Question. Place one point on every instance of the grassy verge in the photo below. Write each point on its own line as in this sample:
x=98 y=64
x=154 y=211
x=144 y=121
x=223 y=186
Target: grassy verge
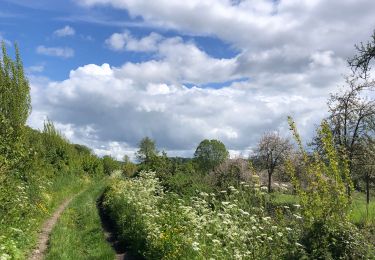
x=358 y=214
x=61 y=188
x=19 y=230
x=78 y=233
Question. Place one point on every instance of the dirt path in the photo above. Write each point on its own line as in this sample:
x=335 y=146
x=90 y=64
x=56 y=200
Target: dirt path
x=38 y=252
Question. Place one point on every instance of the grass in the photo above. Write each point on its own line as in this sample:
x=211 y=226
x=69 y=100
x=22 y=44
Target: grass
x=78 y=233
x=62 y=187
x=65 y=186
x=358 y=215
x=279 y=198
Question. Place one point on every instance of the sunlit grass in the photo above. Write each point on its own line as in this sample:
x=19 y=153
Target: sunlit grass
x=62 y=187
x=359 y=214
x=78 y=234
x=279 y=198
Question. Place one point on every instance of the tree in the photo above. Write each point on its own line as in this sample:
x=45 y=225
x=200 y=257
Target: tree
x=352 y=113
x=231 y=173
x=15 y=103
x=351 y=118
x=147 y=150
x=366 y=166
x=365 y=54
x=128 y=167
x=209 y=154
x=325 y=206
x=14 y=109
x=110 y=164
x=272 y=150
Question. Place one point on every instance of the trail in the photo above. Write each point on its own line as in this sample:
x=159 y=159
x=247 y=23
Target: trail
x=109 y=230
x=38 y=252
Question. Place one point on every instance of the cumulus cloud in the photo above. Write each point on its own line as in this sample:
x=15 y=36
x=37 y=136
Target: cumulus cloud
x=292 y=54
x=257 y=24
x=65 y=31
x=63 y=52
x=104 y=106
x=177 y=62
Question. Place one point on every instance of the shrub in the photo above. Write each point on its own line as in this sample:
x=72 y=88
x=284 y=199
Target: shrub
x=162 y=225
x=324 y=202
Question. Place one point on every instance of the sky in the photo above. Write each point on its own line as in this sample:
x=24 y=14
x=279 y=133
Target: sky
x=110 y=72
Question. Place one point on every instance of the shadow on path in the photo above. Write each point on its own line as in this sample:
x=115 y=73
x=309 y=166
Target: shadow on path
x=121 y=249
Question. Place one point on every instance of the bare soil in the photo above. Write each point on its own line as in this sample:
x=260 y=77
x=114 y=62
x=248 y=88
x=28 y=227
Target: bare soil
x=41 y=247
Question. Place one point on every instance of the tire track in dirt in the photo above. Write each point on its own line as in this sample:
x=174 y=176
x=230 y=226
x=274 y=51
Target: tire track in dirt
x=42 y=245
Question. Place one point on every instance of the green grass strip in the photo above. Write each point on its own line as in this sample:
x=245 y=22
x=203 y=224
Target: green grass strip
x=78 y=233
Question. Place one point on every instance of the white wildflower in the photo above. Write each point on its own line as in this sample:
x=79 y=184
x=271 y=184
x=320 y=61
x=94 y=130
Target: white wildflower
x=195 y=246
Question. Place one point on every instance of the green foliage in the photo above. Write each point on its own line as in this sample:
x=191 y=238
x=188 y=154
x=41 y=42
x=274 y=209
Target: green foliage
x=147 y=150
x=14 y=91
x=323 y=197
x=92 y=165
x=128 y=168
x=324 y=203
x=209 y=154
x=37 y=169
x=110 y=164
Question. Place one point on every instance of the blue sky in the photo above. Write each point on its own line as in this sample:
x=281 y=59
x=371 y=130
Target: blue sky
x=109 y=72
x=33 y=23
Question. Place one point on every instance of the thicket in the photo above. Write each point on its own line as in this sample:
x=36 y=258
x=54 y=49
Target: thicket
x=37 y=168
x=231 y=224
x=183 y=212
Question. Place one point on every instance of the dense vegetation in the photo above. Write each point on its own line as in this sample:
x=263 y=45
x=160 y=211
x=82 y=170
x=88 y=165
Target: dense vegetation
x=284 y=202
x=38 y=169
x=189 y=214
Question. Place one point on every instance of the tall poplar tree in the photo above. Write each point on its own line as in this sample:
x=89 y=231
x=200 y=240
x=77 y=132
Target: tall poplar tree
x=15 y=103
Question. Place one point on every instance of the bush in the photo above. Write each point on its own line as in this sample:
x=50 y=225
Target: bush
x=161 y=225
x=325 y=203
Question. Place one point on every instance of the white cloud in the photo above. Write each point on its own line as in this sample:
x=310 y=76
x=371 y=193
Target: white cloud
x=178 y=61
x=65 y=31
x=119 y=109
x=63 y=52
x=125 y=41
x=35 y=68
x=293 y=54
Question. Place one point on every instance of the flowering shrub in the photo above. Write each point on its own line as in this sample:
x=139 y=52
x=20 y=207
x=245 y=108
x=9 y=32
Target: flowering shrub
x=162 y=225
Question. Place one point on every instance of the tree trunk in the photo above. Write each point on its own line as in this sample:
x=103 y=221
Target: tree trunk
x=269 y=181
x=367 y=193
x=350 y=176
